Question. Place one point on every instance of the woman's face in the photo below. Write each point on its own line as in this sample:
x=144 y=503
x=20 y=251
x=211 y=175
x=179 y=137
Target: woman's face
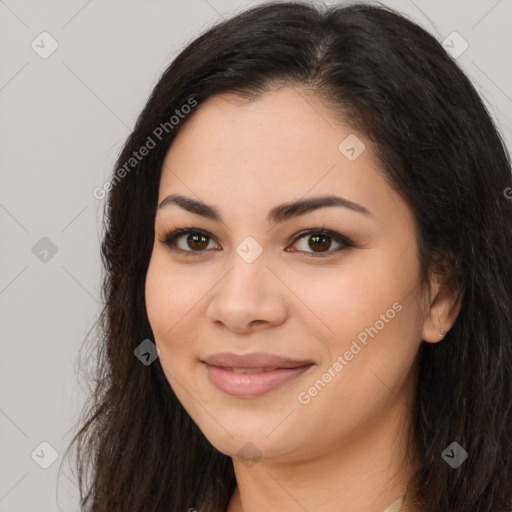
x=346 y=319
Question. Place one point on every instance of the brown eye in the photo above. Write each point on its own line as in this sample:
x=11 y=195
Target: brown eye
x=319 y=241
x=194 y=242
x=197 y=241
x=188 y=240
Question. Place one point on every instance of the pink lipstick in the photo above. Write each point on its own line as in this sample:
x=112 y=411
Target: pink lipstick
x=252 y=375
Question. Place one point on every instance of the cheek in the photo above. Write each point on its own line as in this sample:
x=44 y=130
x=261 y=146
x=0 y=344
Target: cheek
x=343 y=300
x=166 y=308
x=370 y=300
x=167 y=301
x=173 y=305
x=156 y=296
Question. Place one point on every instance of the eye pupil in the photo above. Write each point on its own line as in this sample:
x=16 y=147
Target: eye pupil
x=317 y=245
x=194 y=239
x=197 y=241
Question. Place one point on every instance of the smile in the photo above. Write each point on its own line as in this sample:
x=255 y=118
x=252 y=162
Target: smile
x=252 y=382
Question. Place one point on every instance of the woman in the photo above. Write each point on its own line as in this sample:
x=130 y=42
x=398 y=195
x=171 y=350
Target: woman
x=308 y=279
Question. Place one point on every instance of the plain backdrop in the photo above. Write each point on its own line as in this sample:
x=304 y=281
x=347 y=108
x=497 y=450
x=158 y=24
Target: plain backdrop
x=63 y=119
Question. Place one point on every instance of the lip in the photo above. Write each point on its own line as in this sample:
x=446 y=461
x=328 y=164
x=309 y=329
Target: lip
x=275 y=371
x=253 y=360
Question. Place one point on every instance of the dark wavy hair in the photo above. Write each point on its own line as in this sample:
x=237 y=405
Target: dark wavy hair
x=137 y=449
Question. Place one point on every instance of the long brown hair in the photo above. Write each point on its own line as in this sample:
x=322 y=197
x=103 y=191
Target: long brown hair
x=137 y=449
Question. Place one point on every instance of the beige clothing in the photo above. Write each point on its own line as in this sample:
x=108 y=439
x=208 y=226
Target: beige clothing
x=395 y=506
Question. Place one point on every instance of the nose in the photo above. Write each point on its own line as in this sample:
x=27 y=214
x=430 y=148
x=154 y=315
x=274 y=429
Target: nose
x=249 y=297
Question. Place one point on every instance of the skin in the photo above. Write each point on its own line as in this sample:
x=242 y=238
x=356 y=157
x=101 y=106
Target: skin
x=344 y=449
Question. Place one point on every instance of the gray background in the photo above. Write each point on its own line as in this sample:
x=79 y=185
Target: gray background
x=63 y=120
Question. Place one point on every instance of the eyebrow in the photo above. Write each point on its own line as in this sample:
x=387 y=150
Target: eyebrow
x=276 y=215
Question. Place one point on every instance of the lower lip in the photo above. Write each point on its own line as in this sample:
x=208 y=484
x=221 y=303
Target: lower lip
x=248 y=385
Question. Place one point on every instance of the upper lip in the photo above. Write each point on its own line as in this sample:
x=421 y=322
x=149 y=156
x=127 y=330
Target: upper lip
x=254 y=360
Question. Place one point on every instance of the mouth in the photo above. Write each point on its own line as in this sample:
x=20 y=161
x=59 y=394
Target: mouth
x=249 y=370
x=252 y=375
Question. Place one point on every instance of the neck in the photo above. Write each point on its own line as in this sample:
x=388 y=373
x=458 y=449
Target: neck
x=365 y=473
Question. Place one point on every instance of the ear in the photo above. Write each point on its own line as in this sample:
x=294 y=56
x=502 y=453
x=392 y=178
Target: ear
x=444 y=307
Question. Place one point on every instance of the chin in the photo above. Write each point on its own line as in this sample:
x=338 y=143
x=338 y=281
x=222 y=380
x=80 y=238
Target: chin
x=243 y=434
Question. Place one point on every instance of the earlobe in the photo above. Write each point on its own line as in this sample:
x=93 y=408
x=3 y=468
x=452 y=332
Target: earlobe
x=429 y=334
x=444 y=309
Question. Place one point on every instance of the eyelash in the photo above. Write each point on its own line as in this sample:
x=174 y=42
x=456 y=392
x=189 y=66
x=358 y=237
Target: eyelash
x=171 y=237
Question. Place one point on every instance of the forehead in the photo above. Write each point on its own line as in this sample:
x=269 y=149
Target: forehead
x=281 y=146
x=287 y=118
